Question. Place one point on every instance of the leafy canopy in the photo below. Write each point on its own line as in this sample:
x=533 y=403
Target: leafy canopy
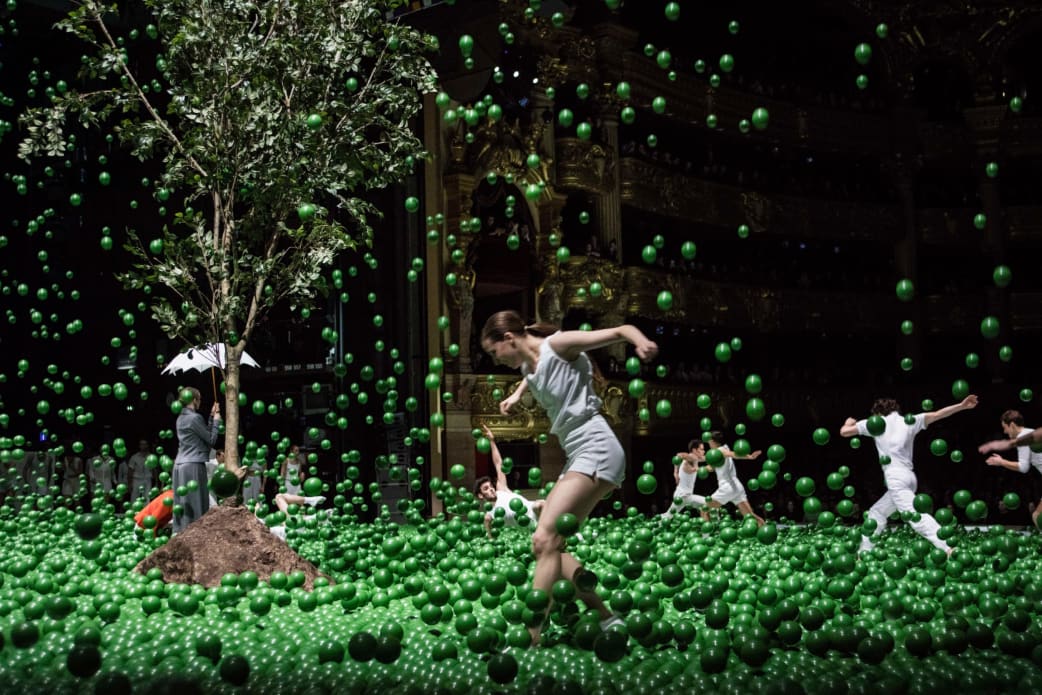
x=271 y=119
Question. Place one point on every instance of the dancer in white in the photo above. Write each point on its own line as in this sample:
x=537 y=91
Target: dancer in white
x=729 y=489
x=1013 y=426
x=559 y=375
x=684 y=475
x=894 y=444
x=501 y=495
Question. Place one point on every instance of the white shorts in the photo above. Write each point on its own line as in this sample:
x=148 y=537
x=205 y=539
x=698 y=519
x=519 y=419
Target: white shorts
x=594 y=450
x=729 y=494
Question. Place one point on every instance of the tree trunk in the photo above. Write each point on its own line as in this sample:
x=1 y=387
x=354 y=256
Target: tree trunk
x=231 y=405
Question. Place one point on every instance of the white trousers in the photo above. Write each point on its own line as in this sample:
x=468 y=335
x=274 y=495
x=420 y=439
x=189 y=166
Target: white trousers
x=686 y=500
x=899 y=497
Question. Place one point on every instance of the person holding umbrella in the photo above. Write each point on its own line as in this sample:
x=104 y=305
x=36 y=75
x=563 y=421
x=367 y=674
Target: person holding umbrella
x=195 y=438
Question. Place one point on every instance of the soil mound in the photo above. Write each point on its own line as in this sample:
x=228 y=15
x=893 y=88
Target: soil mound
x=225 y=539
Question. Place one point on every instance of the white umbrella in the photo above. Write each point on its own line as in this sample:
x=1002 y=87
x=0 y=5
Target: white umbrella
x=209 y=356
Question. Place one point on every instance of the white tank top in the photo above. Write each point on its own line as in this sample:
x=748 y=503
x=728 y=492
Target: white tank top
x=564 y=389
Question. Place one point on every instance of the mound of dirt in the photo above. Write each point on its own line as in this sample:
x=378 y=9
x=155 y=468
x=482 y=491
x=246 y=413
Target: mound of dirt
x=225 y=539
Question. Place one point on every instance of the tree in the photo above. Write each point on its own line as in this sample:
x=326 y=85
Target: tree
x=271 y=120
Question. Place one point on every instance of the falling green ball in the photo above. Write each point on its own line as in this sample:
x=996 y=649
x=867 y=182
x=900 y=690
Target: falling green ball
x=664 y=300
x=649 y=254
x=882 y=30
x=663 y=408
x=722 y=352
x=1026 y=395
x=755 y=409
x=760 y=118
x=905 y=290
x=989 y=327
x=862 y=53
x=821 y=436
x=647 y=484
x=980 y=220
x=1002 y=276
x=991 y=169
x=688 y=250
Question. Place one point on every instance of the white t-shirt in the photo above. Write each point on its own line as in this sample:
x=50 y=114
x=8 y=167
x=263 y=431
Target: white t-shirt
x=897 y=440
x=726 y=474
x=1026 y=458
x=686 y=484
x=503 y=499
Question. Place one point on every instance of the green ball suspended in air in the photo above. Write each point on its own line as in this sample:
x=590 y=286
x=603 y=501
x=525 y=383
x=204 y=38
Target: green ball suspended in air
x=863 y=53
x=1011 y=500
x=905 y=290
x=688 y=250
x=1002 y=276
x=989 y=327
x=663 y=408
x=672 y=11
x=760 y=118
x=876 y=425
x=755 y=409
x=722 y=352
x=980 y=220
x=805 y=486
x=647 y=484
x=664 y=300
x=821 y=436
x=938 y=447
x=412 y=203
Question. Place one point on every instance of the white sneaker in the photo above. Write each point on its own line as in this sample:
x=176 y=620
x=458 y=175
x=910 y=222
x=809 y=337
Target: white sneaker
x=314 y=501
x=612 y=622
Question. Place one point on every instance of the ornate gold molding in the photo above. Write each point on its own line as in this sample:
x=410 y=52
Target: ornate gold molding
x=585 y=165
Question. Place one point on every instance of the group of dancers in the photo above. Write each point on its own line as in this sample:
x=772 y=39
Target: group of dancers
x=559 y=375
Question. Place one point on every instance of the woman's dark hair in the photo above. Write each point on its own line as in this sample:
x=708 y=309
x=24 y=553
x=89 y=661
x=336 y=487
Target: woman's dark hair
x=885 y=406
x=694 y=444
x=717 y=436
x=503 y=322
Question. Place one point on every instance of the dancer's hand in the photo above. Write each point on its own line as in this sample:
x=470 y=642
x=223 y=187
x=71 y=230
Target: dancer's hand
x=646 y=349
x=994 y=460
x=509 y=402
x=995 y=445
